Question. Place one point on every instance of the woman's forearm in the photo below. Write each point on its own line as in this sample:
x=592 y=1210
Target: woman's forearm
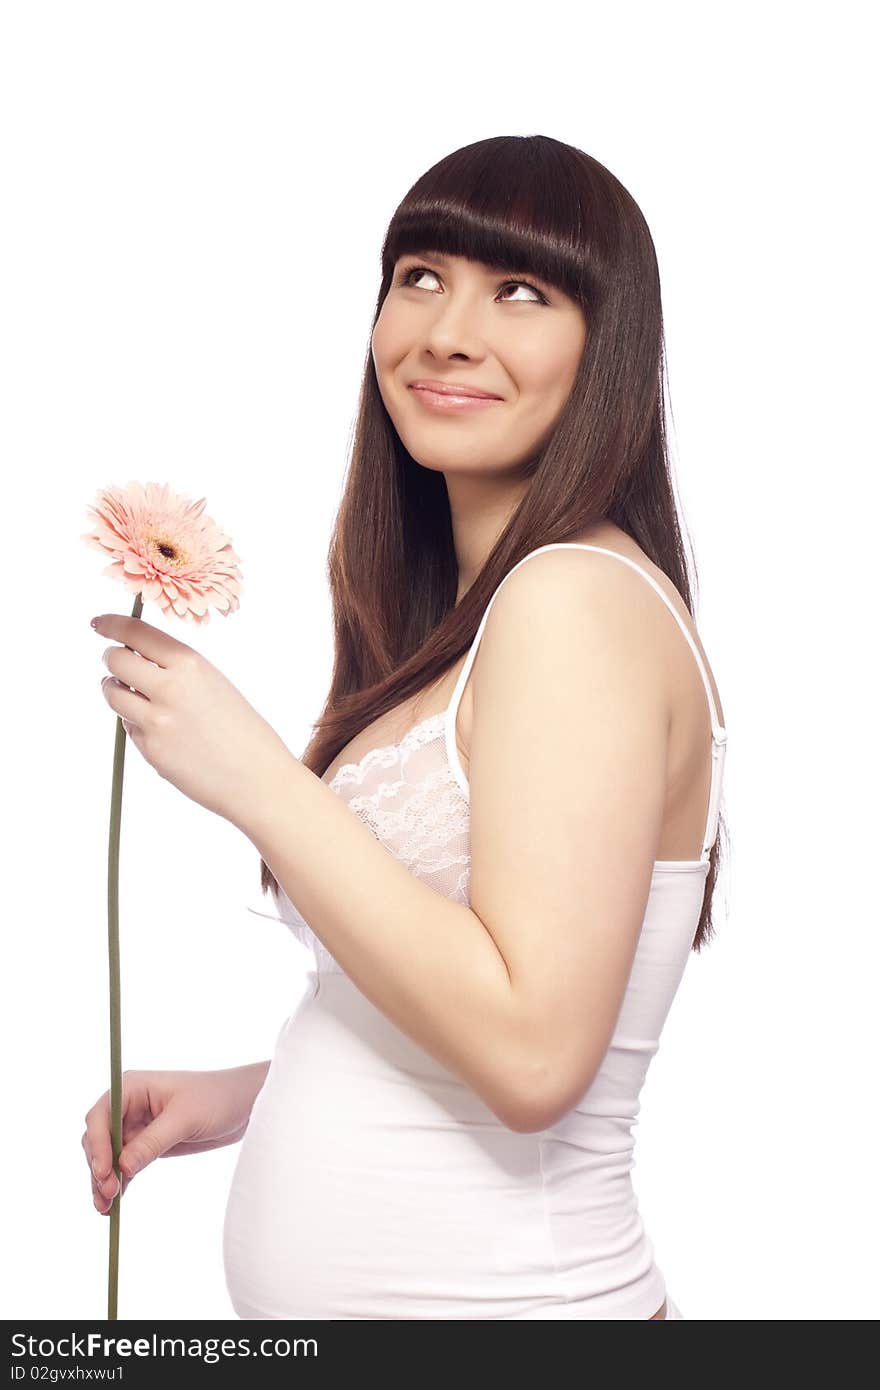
x=428 y=963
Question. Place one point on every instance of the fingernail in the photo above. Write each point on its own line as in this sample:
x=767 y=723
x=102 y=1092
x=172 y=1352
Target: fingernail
x=94 y=622
x=110 y=1186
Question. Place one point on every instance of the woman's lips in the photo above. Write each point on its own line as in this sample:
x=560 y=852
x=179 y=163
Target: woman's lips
x=440 y=402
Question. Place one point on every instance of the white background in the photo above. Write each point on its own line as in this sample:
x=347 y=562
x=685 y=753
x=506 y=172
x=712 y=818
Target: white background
x=194 y=197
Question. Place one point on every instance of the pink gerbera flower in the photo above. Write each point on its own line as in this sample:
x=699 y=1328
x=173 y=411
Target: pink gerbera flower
x=165 y=549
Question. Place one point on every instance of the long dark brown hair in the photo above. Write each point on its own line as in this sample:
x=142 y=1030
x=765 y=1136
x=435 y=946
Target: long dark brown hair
x=530 y=203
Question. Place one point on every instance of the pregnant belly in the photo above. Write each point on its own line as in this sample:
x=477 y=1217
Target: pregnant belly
x=371 y=1183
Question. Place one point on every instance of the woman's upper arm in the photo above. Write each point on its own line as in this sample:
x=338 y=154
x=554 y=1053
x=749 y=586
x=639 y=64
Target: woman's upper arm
x=567 y=773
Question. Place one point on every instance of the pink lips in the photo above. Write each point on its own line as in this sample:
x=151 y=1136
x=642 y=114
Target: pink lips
x=445 y=396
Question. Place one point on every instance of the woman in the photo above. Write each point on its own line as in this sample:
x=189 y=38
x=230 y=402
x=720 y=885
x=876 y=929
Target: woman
x=528 y=744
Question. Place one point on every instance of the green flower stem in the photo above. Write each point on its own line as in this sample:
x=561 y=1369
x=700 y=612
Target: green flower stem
x=115 y=1002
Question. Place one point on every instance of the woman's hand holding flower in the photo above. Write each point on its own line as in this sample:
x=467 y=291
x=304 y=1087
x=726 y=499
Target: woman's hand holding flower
x=188 y=721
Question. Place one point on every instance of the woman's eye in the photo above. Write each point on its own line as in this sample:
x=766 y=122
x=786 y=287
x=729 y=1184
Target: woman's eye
x=522 y=285
x=408 y=279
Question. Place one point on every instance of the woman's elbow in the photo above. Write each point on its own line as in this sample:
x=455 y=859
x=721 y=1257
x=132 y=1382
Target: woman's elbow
x=536 y=1103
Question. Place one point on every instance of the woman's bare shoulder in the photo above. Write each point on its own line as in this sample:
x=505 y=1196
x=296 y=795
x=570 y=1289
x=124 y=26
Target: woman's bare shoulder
x=609 y=536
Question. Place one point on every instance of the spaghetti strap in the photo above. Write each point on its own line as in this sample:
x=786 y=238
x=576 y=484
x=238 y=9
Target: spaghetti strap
x=719 y=733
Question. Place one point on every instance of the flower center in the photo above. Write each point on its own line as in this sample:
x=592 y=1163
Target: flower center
x=169 y=551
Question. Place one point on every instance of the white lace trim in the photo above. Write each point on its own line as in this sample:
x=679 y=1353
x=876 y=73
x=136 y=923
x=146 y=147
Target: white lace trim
x=389 y=754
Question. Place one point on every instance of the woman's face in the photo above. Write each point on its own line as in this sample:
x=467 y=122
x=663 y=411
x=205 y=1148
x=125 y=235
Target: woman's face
x=457 y=322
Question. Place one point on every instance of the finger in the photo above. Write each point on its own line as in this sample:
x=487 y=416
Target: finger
x=96 y=1140
x=98 y=1145
x=142 y=637
x=104 y=1187
x=133 y=669
x=129 y=704
x=104 y=1195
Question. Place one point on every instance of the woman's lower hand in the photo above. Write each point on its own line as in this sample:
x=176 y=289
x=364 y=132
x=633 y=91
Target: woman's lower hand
x=166 y=1114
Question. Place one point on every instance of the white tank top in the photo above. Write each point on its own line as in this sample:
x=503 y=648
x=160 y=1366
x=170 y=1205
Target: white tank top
x=551 y=1227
